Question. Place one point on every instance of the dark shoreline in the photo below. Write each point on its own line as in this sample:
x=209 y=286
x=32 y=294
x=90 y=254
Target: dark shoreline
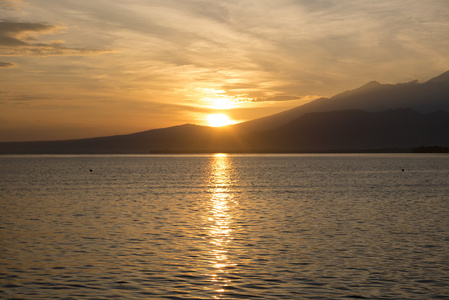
x=417 y=150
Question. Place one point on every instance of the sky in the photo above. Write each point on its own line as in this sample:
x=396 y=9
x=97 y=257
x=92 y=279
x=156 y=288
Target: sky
x=86 y=68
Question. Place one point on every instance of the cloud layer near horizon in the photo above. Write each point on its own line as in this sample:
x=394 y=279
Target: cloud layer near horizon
x=159 y=63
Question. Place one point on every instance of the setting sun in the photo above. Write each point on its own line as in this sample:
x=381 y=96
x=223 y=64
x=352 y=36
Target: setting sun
x=218 y=120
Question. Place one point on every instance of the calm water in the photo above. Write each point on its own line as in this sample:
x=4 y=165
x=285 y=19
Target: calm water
x=224 y=227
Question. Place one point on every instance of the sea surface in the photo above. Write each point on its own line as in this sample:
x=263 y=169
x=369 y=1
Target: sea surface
x=225 y=227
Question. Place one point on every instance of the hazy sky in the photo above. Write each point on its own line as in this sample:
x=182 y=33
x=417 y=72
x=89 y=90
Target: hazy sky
x=83 y=68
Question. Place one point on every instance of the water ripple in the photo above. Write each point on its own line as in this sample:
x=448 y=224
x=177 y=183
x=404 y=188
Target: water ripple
x=225 y=227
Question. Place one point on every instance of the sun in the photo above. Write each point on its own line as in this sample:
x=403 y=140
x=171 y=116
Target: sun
x=218 y=120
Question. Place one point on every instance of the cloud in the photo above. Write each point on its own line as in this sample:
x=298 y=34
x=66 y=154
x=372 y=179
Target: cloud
x=10 y=4
x=14 y=33
x=279 y=98
x=293 y=46
x=16 y=98
x=4 y=64
x=16 y=37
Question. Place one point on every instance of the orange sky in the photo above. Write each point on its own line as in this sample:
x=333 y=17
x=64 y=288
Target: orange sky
x=74 y=69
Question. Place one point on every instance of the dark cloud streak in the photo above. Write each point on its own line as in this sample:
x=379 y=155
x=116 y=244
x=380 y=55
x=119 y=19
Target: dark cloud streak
x=14 y=38
x=4 y=64
x=16 y=98
x=277 y=98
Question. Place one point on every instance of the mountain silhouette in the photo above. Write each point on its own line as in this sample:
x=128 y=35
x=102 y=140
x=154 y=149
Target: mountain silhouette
x=430 y=96
x=373 y=117
x=356 y=130
x=177 y=138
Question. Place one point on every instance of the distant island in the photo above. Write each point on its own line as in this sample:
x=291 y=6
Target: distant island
x=406 y=117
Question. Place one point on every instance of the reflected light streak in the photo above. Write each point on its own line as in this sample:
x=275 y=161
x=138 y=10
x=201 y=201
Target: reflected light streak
x=220 y=222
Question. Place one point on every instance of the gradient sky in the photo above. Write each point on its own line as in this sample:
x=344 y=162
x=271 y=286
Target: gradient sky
x=84 y=68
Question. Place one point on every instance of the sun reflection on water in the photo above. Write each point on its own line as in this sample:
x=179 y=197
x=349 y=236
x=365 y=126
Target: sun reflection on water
x=220 y=222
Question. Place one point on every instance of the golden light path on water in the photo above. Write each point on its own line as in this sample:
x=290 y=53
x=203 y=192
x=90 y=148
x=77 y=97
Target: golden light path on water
x=220 y=219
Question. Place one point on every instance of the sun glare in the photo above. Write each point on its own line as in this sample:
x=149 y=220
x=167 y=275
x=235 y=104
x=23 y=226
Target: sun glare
x=218 y=120
x=217 y=99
